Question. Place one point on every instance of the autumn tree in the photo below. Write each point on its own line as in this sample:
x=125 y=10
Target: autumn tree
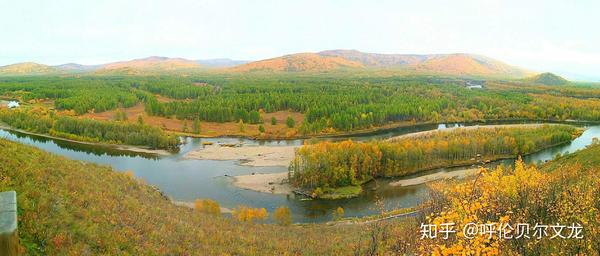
x=207 y=206
x=247 y=214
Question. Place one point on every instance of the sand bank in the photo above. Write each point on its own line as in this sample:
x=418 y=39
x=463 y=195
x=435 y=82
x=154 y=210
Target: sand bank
x=248 y=155
x=435 y=176
x=275 y=183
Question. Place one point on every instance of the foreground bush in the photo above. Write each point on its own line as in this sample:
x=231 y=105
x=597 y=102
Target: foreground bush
x=520 y=195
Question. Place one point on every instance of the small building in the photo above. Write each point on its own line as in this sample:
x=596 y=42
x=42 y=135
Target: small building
x=13 y=104
x=477 y=86
x=474 y=85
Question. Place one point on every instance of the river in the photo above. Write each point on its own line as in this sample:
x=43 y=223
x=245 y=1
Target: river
x=189 y=179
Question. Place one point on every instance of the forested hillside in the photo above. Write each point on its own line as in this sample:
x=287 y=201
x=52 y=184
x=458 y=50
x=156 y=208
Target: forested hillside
x=329 y=165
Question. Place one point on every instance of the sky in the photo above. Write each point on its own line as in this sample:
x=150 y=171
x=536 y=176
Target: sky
x=552 y=35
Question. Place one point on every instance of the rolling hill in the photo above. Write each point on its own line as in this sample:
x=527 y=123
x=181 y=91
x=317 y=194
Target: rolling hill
x=325 y=61
x=300 y=62
x=547 y=79
x=376 y=59
x=450 y=64
x=26 y=68
x=150 y=64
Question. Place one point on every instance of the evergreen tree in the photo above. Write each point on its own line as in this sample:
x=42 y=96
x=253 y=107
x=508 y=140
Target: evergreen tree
x=290 y=122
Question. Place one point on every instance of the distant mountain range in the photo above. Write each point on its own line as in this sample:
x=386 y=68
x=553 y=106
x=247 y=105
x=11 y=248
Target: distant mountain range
x=453 y=64
x=300 y=62
x=325 y=61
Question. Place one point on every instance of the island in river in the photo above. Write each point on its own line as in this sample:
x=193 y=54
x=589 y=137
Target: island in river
x=282 y=156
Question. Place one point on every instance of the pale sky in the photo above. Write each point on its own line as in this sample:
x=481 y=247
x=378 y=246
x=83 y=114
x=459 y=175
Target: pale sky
x=551 y=35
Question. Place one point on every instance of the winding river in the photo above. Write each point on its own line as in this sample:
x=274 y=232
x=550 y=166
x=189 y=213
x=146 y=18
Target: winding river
x=189 y=179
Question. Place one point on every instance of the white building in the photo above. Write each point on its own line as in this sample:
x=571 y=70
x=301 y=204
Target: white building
x=13 y=104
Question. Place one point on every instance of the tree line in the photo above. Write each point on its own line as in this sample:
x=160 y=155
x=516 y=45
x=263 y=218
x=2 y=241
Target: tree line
x=90 y=130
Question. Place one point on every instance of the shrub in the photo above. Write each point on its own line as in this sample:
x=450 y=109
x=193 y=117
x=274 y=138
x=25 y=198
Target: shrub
x=207 y=206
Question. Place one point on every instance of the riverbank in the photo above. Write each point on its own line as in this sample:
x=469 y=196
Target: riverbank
x=130 y=148
x=247 y=155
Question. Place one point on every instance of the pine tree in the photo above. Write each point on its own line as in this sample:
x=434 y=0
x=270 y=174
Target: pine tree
x=290 y=122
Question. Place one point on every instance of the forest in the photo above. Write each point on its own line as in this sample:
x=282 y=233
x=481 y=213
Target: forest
x=89 y=130
x=329 y=103
x=325 y=165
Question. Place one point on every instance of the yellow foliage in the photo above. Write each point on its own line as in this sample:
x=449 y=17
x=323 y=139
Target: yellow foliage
x=247 y=214
x=339 y=213
x=207 y=206
x=522 y=194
